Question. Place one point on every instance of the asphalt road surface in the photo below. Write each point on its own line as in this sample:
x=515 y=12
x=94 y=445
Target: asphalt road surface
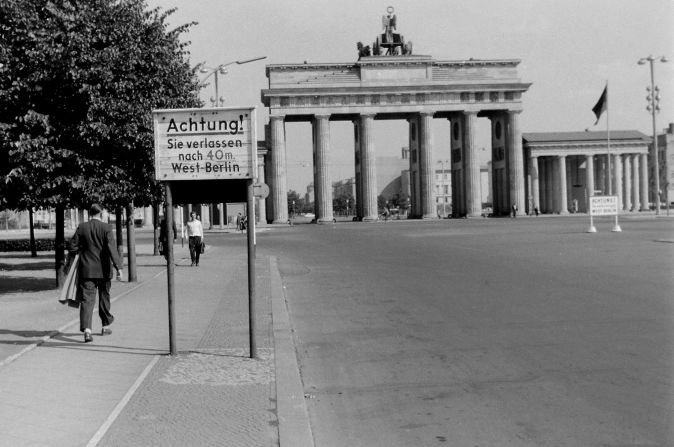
x=483 y=332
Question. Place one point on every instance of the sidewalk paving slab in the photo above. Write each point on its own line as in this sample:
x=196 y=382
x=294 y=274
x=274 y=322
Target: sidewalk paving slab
x=124 y=389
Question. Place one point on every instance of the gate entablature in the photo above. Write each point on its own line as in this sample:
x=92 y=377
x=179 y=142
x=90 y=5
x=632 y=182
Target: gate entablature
x=400 y=84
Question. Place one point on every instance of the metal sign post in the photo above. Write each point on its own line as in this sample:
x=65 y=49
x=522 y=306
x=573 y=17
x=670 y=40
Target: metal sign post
x=170 y=270
x=250 y=233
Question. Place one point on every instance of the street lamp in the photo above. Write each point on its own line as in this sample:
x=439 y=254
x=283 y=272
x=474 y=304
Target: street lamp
x=653 y=107
x=443 y=186
x=220 y=69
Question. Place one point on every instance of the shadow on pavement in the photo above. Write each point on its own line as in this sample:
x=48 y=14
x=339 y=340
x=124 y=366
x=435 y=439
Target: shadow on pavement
x=27 y=333
x=12 y=284
x=29 y=266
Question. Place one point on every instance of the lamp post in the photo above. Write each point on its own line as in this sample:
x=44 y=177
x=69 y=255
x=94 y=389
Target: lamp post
x=653 y=99
x=220 y=69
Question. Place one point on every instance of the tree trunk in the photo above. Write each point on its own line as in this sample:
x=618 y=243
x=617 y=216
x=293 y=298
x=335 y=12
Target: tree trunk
x=59 y=246
x=155 y=225
x=119 y=233
x=131 y=243
x=31 y=231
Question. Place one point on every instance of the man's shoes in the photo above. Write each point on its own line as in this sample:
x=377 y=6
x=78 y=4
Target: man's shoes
x=197 y=264
x=192 y=264
x=106 y=331
x=88 y=338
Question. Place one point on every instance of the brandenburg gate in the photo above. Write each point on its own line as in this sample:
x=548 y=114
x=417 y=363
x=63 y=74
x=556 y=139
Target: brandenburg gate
x=415 y=88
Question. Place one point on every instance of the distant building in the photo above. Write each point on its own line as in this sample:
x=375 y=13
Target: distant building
x=665 y=165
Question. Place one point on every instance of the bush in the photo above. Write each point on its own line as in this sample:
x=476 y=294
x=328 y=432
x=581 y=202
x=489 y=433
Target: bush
x=24 y=245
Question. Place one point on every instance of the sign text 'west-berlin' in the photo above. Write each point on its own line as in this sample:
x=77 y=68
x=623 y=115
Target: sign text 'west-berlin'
x=205 y=144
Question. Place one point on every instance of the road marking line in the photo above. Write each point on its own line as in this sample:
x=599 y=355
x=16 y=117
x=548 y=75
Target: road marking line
x=93 y=442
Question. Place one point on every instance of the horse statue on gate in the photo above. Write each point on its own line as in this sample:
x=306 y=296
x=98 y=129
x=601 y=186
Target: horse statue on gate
x=393 y=43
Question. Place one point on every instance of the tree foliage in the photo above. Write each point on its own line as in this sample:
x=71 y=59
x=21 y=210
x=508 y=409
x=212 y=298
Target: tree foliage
x=78 y=82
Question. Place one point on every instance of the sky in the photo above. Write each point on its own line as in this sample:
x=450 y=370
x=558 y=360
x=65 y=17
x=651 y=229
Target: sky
x=569 y=50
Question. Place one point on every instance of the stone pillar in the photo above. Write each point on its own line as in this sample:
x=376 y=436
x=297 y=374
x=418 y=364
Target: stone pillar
x=456 y=131
x=322 y=180
x=635 y=182
x=471 y=167
x=147 y=217
x=426 y=171
x=515 y=161
x=206 y=216
x=563 y=191
x=618 y=180
x=533 y=171
x=221 y=215
x=627 y=175
x=368 y=170
x=261 y=201
x=643 y=179
x=601 y=173
x=278 y=186
x=589 y=180
x=542 y=182
x=357 y=158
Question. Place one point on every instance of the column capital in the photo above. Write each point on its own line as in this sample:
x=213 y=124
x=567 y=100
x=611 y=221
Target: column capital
x=426 y=113
x=514 y=112
x=469 y=113
x=277 y=118
x=367 y=115
x=323 y=116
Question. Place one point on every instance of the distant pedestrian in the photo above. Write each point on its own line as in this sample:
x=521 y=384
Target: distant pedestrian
x=95 y=243
x=239 y=220
x=164 y=236
x=195 y=234
x=536 y=210
x=514 y=210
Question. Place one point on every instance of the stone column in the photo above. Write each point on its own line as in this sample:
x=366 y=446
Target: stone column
x=357 y=159
x=471 y=167
x=618 y=180
x=589 y=180
x=563 y=191
x=533 y=170
x=643 y=179
x=426 y=171
x=278 y=186
x=261 y=201
x=147 y=217
x=635 y=182
x=601 y=173
x=221 y=215
x=542 y=182
x=368 y=171
x=515 y=161
x=627 y=175
x=322 y=181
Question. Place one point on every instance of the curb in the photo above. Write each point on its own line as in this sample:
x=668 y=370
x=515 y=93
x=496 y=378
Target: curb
x=293 y=417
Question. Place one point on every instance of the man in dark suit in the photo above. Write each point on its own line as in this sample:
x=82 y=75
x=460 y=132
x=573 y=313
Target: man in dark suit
x=95 y=243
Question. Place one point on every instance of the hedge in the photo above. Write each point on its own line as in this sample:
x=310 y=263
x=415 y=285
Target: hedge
x=24 y=245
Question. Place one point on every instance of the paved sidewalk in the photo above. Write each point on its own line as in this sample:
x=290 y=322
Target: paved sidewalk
x=125 y=390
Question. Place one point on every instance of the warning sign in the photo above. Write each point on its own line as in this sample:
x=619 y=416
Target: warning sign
x=205 y=144
x=603 y=205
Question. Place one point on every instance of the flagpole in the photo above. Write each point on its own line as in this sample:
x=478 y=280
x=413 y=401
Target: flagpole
x=608 y=144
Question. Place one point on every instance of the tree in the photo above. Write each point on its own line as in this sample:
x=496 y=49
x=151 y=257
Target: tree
x=78 y=82
x=294 y=202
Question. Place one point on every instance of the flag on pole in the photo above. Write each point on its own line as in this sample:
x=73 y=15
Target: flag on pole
x=601 y=105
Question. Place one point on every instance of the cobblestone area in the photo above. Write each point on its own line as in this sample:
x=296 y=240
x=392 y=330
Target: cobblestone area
x=213 y=393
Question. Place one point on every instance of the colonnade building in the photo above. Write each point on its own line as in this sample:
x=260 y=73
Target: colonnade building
x=415 y=88
x=565 y=168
